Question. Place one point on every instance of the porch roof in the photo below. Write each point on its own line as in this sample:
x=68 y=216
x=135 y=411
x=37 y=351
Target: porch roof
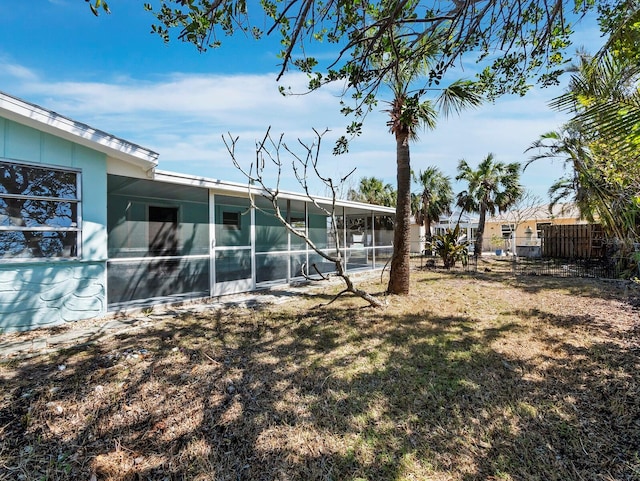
x=237 y=188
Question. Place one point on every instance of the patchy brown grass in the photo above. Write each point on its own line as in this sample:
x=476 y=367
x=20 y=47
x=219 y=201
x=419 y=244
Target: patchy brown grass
x=470 y=377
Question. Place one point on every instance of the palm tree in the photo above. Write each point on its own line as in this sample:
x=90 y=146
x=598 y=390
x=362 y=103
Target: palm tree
x=493 y=186
x=604 y=97
x=603 y=185
x=373 y=191
x=466 y=202
x=434 y=200
x=408 y=113
x=600 y=144
x=569 y=145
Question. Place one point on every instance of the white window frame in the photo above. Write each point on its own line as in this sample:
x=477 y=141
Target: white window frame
x=73 y=228
x=507 y=230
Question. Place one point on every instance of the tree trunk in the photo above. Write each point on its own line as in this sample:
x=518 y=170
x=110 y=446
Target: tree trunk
x=426 y=217
x=399 y=277
x=480 y=232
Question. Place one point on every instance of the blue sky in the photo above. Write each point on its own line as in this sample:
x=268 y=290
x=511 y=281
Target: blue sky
x=112 y=74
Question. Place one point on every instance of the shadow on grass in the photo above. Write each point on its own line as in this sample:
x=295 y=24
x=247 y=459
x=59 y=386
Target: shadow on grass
x=331 y=393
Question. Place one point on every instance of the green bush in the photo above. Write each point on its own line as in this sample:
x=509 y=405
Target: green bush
x=450 y=246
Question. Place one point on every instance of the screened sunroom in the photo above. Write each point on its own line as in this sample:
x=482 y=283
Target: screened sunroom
x=177 y=237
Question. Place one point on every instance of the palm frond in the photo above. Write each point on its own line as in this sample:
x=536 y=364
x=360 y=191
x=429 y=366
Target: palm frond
x=604 y=97
x=458 y=96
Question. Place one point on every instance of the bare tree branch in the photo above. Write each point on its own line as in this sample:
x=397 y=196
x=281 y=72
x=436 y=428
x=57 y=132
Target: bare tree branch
x=270 y=149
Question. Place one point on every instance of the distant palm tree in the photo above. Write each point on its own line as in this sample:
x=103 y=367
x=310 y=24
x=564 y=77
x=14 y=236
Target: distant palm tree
x=373 y=191
x=466 y=202
x=493 y=186
x=434 y=200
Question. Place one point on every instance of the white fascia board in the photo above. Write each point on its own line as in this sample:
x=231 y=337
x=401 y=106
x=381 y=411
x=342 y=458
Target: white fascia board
x=237 y=188
x=52 y=123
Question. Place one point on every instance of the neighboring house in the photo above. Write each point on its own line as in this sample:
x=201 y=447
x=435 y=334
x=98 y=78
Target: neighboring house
x=521 y=230
x=468 y=225
x=89 y=225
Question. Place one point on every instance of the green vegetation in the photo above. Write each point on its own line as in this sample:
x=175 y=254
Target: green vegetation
x=435 y=198
x=491 y=187
x=372 y=190
x=600 y=145
x=450 y=246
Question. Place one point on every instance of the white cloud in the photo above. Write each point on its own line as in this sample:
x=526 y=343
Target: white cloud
x=183 y=117
x=19 y=72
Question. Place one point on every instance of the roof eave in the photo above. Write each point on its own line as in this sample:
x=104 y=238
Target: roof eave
x=53 y=123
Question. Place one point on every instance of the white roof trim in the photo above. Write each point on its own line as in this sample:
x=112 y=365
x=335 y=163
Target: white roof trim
x=50 y=122
x=238 y=188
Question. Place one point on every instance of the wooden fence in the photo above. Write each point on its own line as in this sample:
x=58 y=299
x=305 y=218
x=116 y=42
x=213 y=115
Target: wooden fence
x=580 y=241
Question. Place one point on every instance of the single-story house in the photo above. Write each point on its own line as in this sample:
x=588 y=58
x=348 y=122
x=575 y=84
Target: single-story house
x=515 y=231
x=468 y=226
x=89 y=225
x=519 y=231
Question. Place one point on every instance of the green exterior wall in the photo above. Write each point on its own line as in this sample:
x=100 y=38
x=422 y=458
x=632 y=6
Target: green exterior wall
x=40 y=293
x=149 y=240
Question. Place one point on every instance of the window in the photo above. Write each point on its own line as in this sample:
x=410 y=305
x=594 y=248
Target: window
x=507 y=230
x=39 y=212
x=539 y=226
x=231 y=220
x=298 y=223
x=163 y=230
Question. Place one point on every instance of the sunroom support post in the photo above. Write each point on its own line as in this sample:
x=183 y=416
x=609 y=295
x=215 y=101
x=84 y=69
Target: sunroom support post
x=373 y=238
x=289 y=234
x=344 y=238
x=212 y=243
x=252 y=240
x=306 y=230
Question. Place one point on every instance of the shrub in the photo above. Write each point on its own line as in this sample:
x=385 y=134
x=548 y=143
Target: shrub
x=450 y=246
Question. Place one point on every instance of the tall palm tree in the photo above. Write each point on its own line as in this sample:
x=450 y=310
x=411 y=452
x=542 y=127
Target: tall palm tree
x=434 y=200
x=373 y=191
x=493 y=186
x=407 y=114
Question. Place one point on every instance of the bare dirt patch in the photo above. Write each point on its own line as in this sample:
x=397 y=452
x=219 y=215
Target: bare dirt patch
x=481 y=376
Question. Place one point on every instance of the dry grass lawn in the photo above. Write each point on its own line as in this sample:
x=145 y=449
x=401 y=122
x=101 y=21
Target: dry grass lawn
x=473 y=376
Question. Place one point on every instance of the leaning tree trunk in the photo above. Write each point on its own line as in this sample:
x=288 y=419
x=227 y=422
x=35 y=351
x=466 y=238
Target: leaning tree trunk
x=399 y=277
